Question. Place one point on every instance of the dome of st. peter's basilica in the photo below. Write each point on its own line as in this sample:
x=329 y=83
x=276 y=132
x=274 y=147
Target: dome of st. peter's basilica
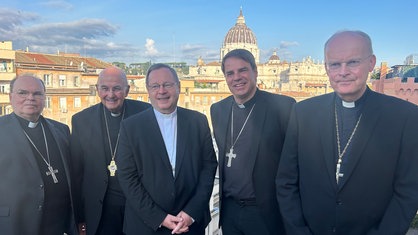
x=240 y=36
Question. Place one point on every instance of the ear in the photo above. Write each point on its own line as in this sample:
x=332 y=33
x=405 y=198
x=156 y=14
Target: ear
x=372 y=62
x=127 y=90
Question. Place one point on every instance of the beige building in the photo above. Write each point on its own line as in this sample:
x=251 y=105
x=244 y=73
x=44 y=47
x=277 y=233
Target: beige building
x=70 y=78
x=7 y=73
x=300 y=79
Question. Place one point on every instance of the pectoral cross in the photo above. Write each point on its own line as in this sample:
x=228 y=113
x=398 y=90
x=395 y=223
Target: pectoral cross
x=337 y=172
x=52 y=172
x=230 y=155
x=112 y=168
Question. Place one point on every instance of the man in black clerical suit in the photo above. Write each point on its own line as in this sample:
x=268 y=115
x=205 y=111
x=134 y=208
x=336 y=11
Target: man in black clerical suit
x=166 y=163
x=249 y=129
x=350 y=160
x=94 y=143
x=35 y=196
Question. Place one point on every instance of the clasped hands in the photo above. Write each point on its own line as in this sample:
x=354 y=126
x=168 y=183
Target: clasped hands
x=178 y=224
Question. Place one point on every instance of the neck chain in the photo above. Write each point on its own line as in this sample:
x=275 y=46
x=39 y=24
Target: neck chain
x=341 y=154
x=51 y=171
x=231 y=153
x=112 y=165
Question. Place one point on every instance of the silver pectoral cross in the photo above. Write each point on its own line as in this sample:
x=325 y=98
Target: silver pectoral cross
x=337 y=172
x=230 y=155
x=52 y=172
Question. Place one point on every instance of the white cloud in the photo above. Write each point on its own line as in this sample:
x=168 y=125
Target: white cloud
x=150 y=49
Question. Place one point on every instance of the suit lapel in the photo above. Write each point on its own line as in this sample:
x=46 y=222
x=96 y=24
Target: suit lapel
x=22 y=144
x=159 y=148
x=62 y=144
x=182 y=138
x=328 y=137
x=97 y=131
x=224 y=109
x=259 y=112
x=369 y=119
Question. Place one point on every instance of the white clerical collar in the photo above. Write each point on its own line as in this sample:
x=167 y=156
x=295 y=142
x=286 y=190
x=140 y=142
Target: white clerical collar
x=33 y=124
x=348 y=104
x=165 y=115
x=115 y=114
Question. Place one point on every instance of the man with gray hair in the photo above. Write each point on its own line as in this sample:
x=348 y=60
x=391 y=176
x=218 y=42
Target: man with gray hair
x=35 y=195
x=349 y=162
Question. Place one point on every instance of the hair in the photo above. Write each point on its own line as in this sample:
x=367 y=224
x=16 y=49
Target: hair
x=159 y=66
x=12 y=82
x=240 y=54
x=362 y=34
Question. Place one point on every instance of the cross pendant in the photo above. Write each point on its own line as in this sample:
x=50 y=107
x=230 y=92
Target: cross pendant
x=52 y=172
x=112 y=168
x=230 y=155
x=337 y=172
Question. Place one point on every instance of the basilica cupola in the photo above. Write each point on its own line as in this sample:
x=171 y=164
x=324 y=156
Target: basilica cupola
x=240 y=36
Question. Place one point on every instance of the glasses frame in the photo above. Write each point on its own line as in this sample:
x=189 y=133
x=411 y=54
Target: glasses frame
x=351 y=64
x=24 y=94
x=166 y=86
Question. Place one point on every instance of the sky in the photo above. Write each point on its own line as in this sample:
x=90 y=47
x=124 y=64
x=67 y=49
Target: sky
x=136 y=31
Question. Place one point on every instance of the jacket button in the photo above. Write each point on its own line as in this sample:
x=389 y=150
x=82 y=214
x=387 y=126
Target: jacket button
x=41 y=186
x=39 y=207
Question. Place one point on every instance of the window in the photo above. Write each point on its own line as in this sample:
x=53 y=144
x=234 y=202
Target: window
x=62 y=80
x=76 y=81
x=63 y=104
x=77 y=102
x=3 y=66
x=48 y=102
x=48 y=80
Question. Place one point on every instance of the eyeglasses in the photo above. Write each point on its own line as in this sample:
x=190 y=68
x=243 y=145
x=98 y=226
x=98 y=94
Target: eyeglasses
x=334 y=66
x=25 y=94
x=115 y=89
x=156 y=86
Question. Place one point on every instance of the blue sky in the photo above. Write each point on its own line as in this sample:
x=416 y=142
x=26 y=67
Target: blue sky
x=182 y=30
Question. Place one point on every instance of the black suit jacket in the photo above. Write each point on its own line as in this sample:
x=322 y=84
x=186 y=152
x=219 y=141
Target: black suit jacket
x=21 y=185
x=379 y=191
x=89 y=163
x=146 y=177
x=271 y=114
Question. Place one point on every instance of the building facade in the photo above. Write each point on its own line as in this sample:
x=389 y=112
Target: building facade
x=400 y=81
x=300 y=79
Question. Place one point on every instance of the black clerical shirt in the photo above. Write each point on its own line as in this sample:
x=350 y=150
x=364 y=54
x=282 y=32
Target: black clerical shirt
x=56 y=205
x=238 y=178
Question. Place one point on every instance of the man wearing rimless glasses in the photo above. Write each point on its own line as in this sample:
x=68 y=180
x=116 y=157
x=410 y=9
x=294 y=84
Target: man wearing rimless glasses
x=35 y=182
x=350 y=159
x=166 y=163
